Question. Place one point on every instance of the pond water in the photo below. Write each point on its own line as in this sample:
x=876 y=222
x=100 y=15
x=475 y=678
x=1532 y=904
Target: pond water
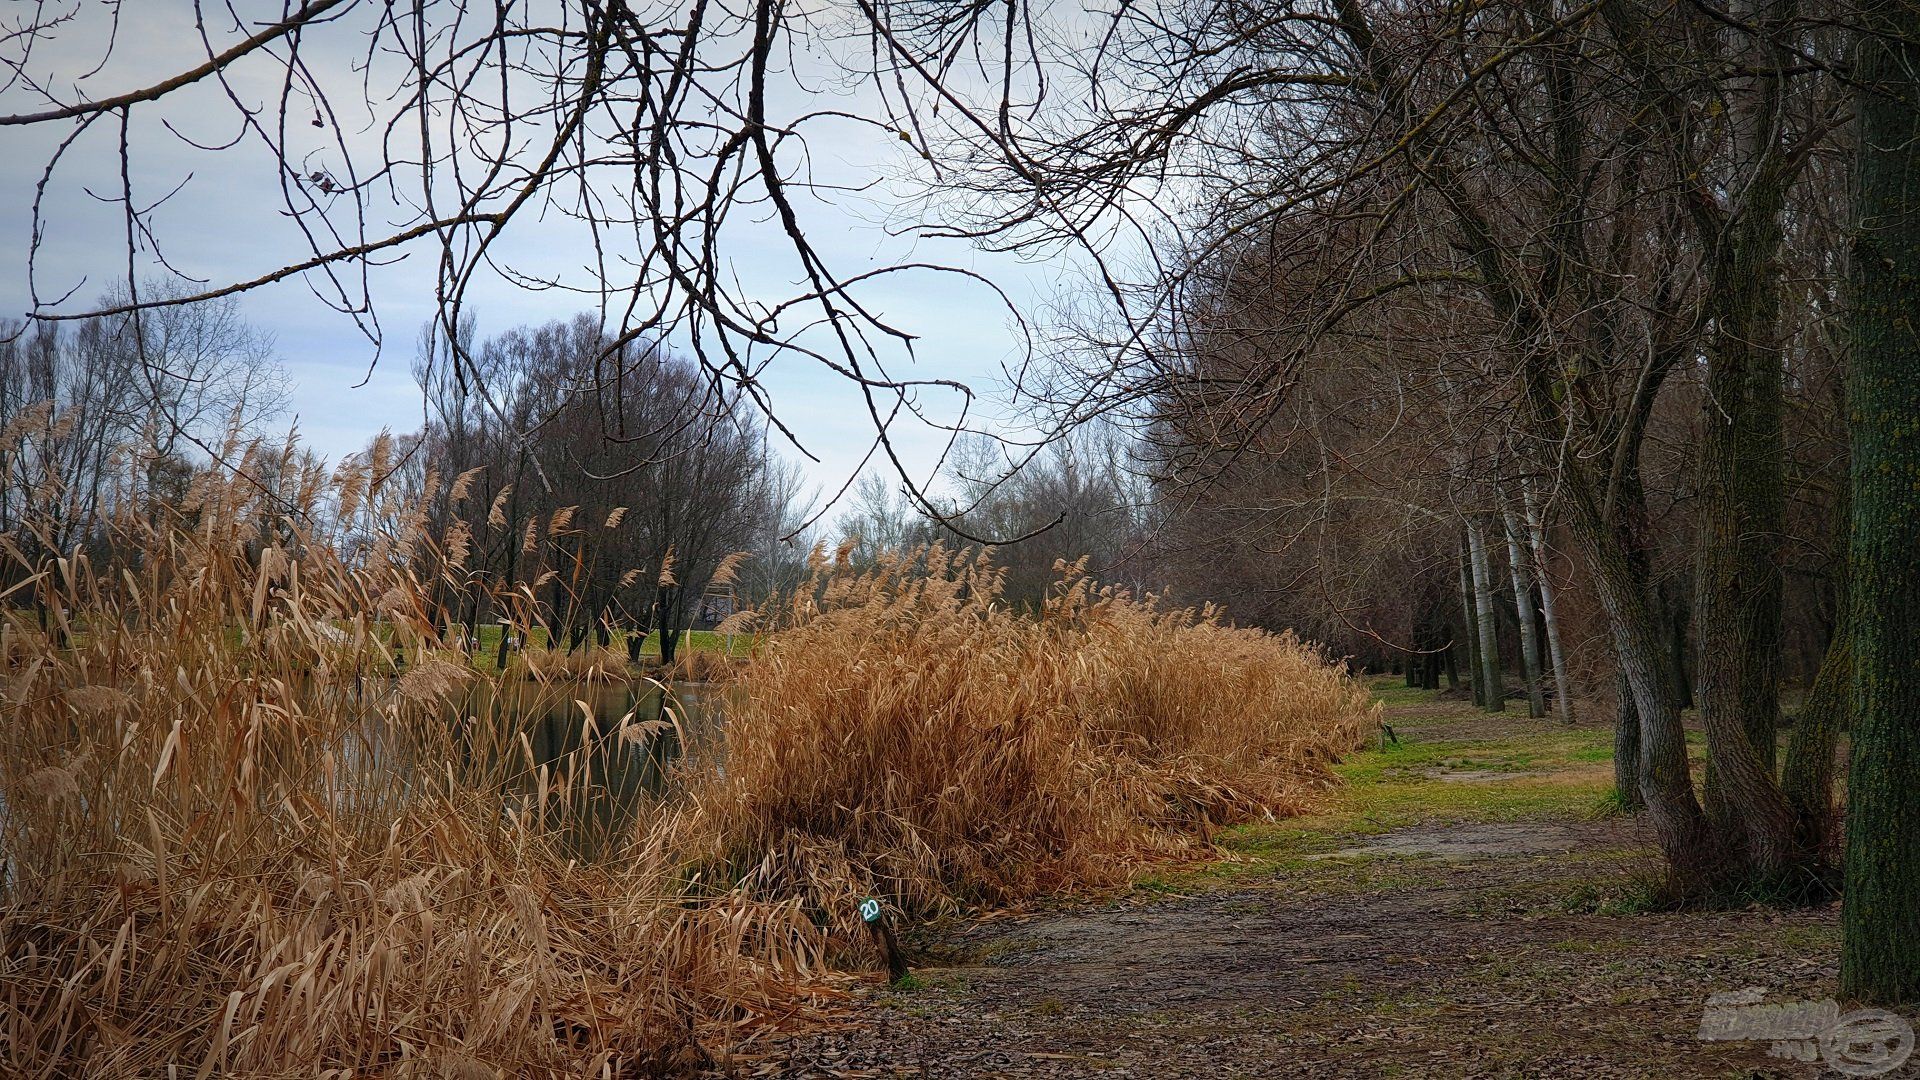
x=587 y=758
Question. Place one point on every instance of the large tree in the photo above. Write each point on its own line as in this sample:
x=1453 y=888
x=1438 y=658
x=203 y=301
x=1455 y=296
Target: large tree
x=1880 y=958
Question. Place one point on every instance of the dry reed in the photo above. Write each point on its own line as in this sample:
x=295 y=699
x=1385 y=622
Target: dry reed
x=234 y=847
x=905 y=734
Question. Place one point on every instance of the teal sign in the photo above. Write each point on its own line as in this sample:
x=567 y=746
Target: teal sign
x=870 y=909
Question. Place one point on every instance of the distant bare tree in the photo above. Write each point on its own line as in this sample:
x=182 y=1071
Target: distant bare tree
x=666 y=132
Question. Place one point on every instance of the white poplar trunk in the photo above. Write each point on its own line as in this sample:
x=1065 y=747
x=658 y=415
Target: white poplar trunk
x=1537 y=534
x=1483 y=595
x=1523 y=605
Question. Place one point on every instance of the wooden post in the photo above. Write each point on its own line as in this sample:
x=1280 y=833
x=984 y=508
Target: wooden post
x=875 y=916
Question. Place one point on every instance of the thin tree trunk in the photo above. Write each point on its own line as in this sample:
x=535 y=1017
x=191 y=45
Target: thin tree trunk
x=1880 y=952
x=1524 y=609
x=1537 y=535
x=1470 y=628
x=1483 y=602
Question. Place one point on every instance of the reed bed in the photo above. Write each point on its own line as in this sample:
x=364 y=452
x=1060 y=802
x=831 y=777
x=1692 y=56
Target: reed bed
x=235 y=848
x=241 y=840
x=904 y=734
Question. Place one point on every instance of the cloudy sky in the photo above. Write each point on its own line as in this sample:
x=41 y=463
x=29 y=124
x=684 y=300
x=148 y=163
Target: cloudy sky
x=225 y=221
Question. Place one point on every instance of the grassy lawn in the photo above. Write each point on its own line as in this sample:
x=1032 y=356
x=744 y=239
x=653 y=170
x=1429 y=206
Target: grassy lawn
x=1451 y=765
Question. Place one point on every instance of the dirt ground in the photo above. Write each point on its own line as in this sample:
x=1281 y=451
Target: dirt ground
x=1462 y=906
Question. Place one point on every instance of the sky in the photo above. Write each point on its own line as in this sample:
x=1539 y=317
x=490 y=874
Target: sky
x=225 y=222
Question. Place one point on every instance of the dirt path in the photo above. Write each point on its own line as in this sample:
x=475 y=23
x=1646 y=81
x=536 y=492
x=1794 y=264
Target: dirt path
x=1463 y=907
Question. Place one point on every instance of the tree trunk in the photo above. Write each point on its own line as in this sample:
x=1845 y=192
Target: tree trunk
x=1483 y=602
x=1537 y=535
x=1880 y=952
x=668 y=603
x=1617 y=565
x=1807 y=778
x=1470 y=622
x=1626 y=749
x=1678 y=616
x=1524 y=610
x=1738 y=583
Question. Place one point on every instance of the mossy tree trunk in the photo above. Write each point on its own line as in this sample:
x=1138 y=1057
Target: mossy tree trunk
x=1880 y=951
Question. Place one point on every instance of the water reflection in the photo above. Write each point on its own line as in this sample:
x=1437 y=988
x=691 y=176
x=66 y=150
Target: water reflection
x=585 y=760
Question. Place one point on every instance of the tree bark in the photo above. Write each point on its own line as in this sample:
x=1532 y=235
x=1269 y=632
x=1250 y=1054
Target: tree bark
x=1489 y=633
x=1524 y=609
x=1537 y=537
x=1742 y=462
x=1880 y=952
x=1616 y=563
x=1807 y=777
x=1470 y=628
x=1626 y=749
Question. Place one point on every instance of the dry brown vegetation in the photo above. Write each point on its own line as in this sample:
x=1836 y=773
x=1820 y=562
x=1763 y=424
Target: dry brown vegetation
x=908 y=735
x=236 y=844
x=234 y=849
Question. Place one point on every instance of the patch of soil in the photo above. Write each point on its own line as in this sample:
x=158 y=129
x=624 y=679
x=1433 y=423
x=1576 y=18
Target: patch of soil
x=1477 y=776
x=1472 y=841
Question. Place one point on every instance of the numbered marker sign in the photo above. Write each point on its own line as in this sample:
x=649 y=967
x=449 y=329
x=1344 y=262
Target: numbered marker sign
x=870 y=909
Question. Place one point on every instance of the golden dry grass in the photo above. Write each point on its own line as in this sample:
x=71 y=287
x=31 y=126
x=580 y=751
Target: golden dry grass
x=905 y=734
x=236 y=844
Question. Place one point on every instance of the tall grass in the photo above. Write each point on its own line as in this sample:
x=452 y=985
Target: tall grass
x=905 y=733
x=236 y=842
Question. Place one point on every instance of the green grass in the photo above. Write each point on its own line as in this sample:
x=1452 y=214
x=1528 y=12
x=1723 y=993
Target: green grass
x=1564 y=775
x=1391 y=694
